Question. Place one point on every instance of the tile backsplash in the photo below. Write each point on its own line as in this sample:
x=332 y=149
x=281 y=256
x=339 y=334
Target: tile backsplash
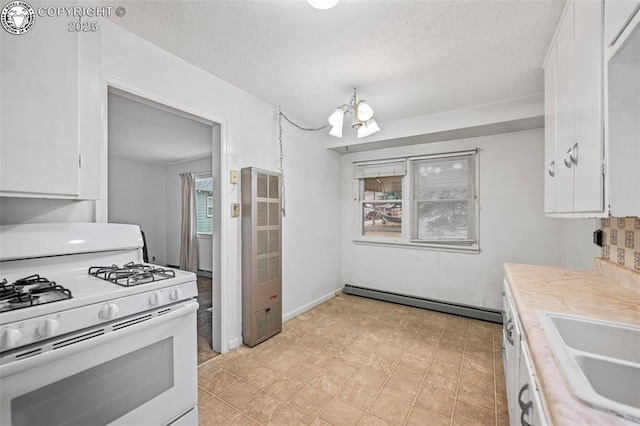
x=621 y=241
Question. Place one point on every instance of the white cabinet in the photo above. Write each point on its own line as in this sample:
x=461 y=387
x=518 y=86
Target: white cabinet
x=530 y=410
x=50 y=94
x=573 y=103
x=523 y=396
x=550 y=132
x=588 y=191
x=511 y=350
x=617 y=13
x=623 y=121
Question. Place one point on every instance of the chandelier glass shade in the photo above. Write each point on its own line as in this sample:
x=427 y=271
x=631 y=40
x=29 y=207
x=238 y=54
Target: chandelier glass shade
x=362 y=118
x=323 y=4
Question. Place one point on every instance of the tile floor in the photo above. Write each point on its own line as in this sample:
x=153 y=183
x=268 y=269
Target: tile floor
x=356 y=361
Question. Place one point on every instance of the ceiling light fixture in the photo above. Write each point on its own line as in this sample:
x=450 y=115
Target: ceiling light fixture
x=323 y=4
x=362 y=115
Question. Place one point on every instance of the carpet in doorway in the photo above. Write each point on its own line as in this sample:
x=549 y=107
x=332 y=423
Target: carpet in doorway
x=205 y=320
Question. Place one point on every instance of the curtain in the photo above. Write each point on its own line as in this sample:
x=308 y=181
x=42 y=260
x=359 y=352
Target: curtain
x=189 y=235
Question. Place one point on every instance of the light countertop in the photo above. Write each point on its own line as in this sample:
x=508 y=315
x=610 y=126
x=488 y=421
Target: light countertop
x=608 y=292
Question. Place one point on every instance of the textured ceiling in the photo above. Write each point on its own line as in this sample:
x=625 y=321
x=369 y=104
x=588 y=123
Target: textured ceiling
x=146 y=134
x=407 y=58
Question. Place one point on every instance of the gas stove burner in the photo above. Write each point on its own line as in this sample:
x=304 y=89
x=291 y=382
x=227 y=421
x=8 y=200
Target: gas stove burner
x=30 y=291
x=131 y=274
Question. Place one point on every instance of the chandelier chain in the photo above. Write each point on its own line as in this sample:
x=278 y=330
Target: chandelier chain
x=280 y=162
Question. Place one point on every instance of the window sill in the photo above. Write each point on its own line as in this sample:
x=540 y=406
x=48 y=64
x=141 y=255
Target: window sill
x=420 y=246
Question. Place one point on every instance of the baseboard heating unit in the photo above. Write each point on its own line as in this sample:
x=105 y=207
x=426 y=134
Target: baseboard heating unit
x=430 y=304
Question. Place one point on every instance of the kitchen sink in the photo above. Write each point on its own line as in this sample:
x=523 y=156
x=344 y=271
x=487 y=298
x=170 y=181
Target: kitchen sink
x=617 y=341
x=599 y=360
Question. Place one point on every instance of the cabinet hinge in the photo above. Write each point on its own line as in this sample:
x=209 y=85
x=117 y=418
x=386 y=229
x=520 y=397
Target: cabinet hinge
x=79 y=161
x=603 y=166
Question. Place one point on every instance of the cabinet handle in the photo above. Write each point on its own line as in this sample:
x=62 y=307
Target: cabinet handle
x=528 y=406
x=552 y=169
x=574 y=154
x=567 y=161
x=524 y=406
x=509 y=329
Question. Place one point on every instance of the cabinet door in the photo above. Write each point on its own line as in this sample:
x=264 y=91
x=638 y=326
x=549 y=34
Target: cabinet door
x=89 y=115
x=50 y=97
x=40 y=109
x=530 y=410
x=550 y=133
x=617 y=13
x=565 y=110
x=588 y=179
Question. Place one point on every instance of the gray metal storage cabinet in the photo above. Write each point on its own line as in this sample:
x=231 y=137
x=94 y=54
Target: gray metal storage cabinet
x=261 y=255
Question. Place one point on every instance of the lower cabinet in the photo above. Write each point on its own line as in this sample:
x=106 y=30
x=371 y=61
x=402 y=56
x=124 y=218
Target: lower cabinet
x=523 y=396
x=529 y=404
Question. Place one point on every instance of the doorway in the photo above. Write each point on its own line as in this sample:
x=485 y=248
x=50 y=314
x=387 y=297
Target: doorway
x=149 y=146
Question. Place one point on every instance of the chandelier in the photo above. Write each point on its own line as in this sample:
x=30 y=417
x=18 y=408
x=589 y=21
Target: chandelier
x=362 y=115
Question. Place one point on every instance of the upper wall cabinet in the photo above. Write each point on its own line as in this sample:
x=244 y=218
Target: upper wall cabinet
x=50 y=94
x=573 y=113
x=617 y=14
x=622 y=119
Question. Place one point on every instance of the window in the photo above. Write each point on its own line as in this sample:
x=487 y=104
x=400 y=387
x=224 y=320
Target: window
x=434 y=196
x=204 y=205
x=444 y=199
x=209 y=211
x=382 y=206
x=381 y=199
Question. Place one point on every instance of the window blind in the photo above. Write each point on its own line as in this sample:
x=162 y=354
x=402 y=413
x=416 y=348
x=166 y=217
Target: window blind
x=390 y=168
x=444 y=198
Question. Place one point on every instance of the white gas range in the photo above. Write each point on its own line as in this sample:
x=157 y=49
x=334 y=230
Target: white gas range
x=89 y=334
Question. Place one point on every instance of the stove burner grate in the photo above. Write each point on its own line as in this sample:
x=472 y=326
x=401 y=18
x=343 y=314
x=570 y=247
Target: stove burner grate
x=131 y=274
x=30 y=291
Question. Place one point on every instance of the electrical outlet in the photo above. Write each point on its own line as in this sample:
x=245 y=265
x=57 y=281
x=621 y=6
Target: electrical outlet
x=235 y=210
x=233 y=176
x=153 y=258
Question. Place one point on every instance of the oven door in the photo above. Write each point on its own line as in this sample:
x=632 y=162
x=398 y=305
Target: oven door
x=138 y=374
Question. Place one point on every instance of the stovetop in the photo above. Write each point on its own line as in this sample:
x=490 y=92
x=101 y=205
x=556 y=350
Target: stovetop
x=30 y=291
x=131 y=273
x=72 y=273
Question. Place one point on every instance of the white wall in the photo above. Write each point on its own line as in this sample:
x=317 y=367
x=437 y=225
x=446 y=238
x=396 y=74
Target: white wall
x=311 y=229
x=249 y=133
x=137 y=196
x=172 y=186
x=37 y=210
x=513 y=227
x=578 y=250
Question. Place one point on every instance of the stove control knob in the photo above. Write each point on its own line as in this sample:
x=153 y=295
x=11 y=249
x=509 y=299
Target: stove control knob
x=48 y=328
x=109 y=311
x=155 y=299
x=175 y=294
x=9 y=338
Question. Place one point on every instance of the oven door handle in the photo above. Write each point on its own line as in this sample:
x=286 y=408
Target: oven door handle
x=34 y=361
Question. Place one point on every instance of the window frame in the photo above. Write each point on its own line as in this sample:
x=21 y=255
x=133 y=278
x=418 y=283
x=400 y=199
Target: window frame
x=409 y=208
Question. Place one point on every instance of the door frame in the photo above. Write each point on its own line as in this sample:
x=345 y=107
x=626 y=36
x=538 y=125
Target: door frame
x=219 y=168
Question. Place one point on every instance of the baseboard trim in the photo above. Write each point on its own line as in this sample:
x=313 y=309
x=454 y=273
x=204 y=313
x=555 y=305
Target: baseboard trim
x=235 y=342
x=430 y=304
x=301 y=310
